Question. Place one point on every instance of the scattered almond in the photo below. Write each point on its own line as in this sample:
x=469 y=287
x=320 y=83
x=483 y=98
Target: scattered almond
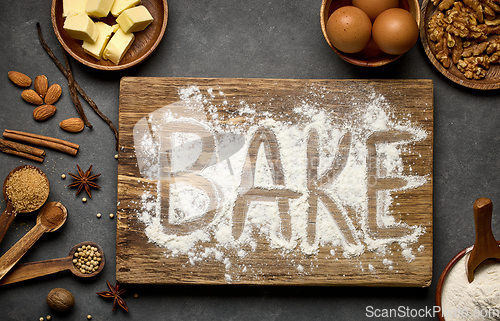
x=31 y=97
x=73 y=125
x=53 y=94
x=41 y=85
x=19 y=79
x=44 y=112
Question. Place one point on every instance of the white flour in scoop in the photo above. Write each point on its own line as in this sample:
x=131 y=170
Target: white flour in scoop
x=476 y=301
x=193 y=122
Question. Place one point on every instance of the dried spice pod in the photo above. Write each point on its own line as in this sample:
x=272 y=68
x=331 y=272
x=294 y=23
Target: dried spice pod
x=19 y=79
x=72 y=125
x=30 y=96
x=53 y=94
x=41 y=85
x=44 y=112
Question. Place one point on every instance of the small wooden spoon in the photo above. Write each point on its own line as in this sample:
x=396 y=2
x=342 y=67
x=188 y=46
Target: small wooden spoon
x=10 y=212
x=50 y=218
x=33 y=270
x=485 y=246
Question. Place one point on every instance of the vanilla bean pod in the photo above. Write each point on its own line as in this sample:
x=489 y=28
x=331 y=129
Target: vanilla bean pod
x=80 y=90
x=72 y=91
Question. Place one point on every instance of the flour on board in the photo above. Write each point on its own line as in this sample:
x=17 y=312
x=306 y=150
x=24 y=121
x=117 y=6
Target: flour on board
x=206 y=170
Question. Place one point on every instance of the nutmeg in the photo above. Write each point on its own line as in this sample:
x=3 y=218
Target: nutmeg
x=60 y=299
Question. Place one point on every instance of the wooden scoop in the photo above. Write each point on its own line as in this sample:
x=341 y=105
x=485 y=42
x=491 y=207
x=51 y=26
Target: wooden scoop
x=10 y=211
x=33 y=270
x=485 y=246
x=50 y=218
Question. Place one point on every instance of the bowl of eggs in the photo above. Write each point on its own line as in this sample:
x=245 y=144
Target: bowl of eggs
x=370 y=33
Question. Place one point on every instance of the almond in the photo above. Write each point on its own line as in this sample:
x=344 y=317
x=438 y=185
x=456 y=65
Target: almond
x=73 y=125
x=44 y=112
x=31 y=97
x=41 y=85
x=19 y=79
x=53 y=94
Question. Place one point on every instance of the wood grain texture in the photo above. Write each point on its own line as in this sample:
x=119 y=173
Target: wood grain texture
x=143 y=262
x=144 y=44
x=492 y=79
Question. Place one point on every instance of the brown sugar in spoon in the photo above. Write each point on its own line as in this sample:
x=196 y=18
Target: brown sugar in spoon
x=26 y=189
x=485 y=247
x=33 y=270
x=50 y=218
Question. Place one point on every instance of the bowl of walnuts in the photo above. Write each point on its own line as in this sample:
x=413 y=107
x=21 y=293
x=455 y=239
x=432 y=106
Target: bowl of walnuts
x=461 y=40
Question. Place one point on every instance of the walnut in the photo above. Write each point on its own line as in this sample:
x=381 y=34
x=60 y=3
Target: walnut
x=475 y=49
x=457 y=49
x=478 y=9
x=445 y=5
x=472 y=67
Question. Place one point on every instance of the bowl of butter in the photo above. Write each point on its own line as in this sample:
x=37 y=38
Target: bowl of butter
x=109 y=34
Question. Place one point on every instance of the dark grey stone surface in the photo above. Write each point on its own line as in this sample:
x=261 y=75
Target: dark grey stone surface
x=224 y=38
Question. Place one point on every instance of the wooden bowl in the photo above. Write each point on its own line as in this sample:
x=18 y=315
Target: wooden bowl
x=492 y=79
x=144 y=44
x=444 y=274
x=371 y=56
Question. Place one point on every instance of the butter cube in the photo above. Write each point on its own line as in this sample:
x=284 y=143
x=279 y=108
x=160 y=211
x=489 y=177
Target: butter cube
x=134 y=19
x=98 y=8
x=95 y=49
x=80 y=26
x=77 y=6
x=120 y=5
x=118 y=46
x=115 y=27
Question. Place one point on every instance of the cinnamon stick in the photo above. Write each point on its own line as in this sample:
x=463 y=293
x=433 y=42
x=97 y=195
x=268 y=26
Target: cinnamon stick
x=77 y=85
x=22 y=150
x=45 y=141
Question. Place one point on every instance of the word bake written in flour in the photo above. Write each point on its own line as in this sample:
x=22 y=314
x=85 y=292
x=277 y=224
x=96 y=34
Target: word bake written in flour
x=264 y=143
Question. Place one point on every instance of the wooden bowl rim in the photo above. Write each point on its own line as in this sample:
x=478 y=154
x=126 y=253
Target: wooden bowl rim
x=130 y=64
x=347 y=57
x=469 y=83
x=444 y=274
x=75 y=271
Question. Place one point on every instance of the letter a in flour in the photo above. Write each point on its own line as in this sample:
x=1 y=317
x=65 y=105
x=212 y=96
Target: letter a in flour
x=247 y=192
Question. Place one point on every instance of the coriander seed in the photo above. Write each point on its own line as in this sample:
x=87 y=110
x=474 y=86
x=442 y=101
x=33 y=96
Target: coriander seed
x=89 y=317
x=84 y=199
x=98 y=215
x=63 y=176
x=111 y=215
x=48 y=318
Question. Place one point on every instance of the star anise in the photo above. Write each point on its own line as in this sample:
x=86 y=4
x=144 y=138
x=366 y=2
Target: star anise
x=84 y=180
x=115 y=293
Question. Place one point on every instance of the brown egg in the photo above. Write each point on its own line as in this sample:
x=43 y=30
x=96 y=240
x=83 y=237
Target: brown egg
x=395 y=31
x=375 y=7
x=349 y=29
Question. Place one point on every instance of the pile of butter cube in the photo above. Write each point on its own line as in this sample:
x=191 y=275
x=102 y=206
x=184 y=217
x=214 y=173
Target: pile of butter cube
x=100 y=39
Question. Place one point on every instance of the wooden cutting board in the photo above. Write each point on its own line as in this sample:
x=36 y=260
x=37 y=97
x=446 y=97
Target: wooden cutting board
x=275 y=182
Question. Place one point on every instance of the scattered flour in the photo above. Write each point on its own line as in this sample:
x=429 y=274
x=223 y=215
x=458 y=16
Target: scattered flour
x=205 y=169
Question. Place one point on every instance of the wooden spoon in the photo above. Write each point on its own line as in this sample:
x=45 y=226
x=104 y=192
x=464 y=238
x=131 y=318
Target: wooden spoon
x=33 y=270
x=10 y=212
x=50 y=218
x=485 y=246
